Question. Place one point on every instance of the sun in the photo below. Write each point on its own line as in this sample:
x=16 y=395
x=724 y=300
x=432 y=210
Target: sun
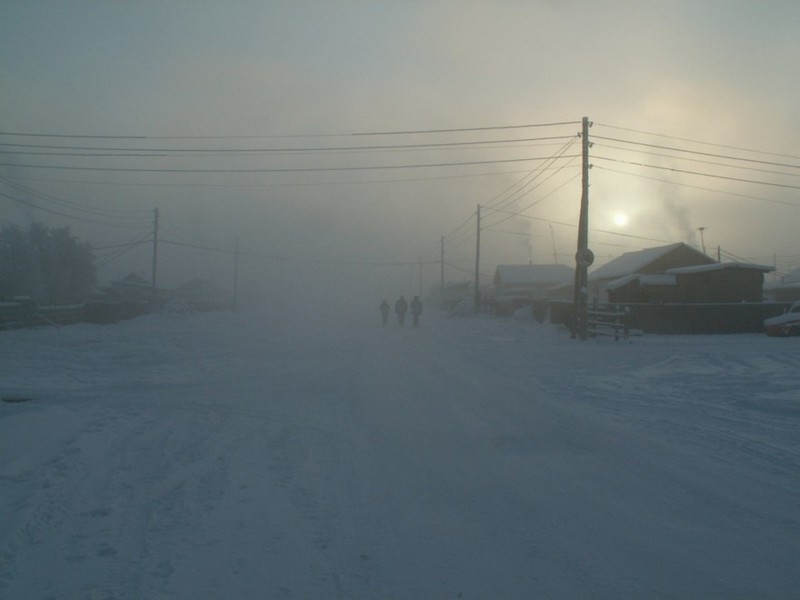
x=621 y=219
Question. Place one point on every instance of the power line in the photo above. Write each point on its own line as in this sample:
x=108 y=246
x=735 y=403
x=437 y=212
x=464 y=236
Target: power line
x=470 y=128
x=108 y=212
x=274 y=185
x=121 y=249
x=698 y=141
x=302 y=260
x=701 y=161
x=280 y=170
x=532 y=177
x=698 y=173
x=65 y=215
x=697 y=187
x=519 y=213
x=285 y=150
x=699 y=153
x=287 y=136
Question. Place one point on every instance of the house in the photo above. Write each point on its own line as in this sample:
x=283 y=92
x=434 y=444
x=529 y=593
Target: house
x=635 y=267
x=642 y=289
x=787 y=289
x=132 y=288
x=515 y=286
x=535 y=280
x=451 y=294
x=720 y=282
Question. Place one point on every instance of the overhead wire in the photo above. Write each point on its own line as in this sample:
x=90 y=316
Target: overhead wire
x=33 y=206
x=119 y=249
x=697 y=187
x=694 y=141
x=517 y=189
x=698 y=173
x=106 y=212
x=296 y=135
x=700 y=161
x=699 y=152
x=284 y=150
x=279 y=169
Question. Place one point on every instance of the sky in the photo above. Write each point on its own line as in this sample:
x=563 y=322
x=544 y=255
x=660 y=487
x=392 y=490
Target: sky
x=241 y=122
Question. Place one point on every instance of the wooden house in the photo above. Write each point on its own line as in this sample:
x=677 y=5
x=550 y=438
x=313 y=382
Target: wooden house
x=607 y=281
x=785 y=290
x=132 y=288
x=535 y=280
x=720 y=282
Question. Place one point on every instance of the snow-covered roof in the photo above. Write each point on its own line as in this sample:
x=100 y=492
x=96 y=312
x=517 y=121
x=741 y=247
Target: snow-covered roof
x=719 y=267
x=632 y=262
x=644 y=280
x=528 y=274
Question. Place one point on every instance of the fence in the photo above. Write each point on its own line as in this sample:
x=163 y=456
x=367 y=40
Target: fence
x=673 y=318
x=17 y=315
x=610 y=322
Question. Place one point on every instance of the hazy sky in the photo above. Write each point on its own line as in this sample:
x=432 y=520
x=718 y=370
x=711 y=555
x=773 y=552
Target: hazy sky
x=240 y=115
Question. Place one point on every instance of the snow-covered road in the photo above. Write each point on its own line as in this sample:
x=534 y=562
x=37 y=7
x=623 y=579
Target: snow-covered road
x=238 y=456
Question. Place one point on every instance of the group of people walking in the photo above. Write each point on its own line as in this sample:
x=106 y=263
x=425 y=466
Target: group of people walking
x=401 y=307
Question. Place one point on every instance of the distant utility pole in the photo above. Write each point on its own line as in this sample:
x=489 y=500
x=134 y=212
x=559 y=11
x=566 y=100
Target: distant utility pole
x=155 y=251
x=236 y=274
x=555 y=249
x=420 y=278
x=702 y=238
x=584 y=257
x=441 y=268
x=478 y=263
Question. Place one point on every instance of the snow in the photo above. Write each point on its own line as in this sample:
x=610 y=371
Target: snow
x=246 y=455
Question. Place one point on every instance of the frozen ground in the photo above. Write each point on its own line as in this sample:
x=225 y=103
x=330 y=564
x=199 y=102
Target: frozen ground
x=239 y=456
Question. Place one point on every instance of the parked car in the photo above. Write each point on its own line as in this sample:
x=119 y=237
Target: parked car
x=786 y=324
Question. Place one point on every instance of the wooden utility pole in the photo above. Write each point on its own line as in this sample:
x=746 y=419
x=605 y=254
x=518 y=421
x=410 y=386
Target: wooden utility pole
x=155 y=252
x=236 y=275
x=420 y=278
x=583 y=257
x=478 y=262
x=441 y=275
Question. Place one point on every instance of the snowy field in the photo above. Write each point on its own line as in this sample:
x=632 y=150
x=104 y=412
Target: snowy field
x=240 y=456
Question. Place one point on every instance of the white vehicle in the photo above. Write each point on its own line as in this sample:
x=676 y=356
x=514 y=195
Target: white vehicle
x=786 y=324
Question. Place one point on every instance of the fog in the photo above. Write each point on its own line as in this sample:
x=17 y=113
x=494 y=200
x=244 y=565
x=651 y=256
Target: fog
x=241 y=124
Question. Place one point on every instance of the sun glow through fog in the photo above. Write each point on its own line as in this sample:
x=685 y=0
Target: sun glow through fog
x=621 y=219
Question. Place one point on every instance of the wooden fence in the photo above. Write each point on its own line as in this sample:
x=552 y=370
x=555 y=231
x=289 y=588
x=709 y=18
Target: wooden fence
x=673 y=318
x=17 y=315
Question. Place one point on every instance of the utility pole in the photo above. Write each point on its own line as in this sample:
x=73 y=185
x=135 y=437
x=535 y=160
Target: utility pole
x=441 y=280
x=155 y=251
x=420 y=278
x=555 y=249
x=584 y=257
x=702 y=238
x=478 y=262
x=236 y=275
